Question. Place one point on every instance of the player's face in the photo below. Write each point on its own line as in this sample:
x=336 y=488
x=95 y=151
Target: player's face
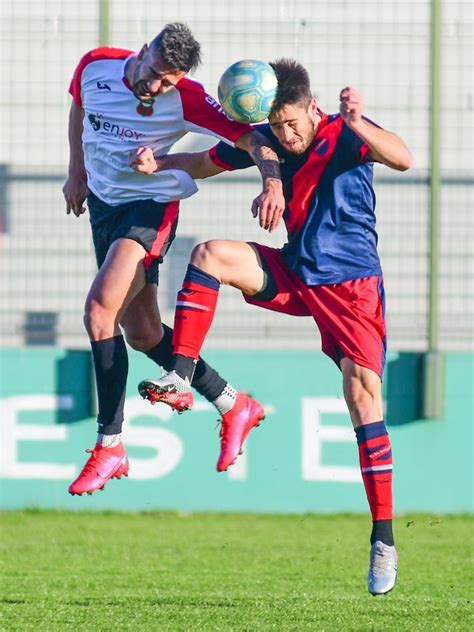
x=295 y=125
x=152 y=76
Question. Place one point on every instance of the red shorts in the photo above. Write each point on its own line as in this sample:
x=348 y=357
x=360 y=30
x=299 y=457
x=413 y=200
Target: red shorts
x=349 y=315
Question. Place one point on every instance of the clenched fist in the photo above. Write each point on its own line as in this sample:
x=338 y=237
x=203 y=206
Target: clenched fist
x=143 y=160
x=351 y=106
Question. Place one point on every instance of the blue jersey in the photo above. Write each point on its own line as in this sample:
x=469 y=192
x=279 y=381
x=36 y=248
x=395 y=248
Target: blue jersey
x=330 y=203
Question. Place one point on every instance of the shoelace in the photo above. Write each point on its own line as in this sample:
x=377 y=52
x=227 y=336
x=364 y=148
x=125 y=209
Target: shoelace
x=382 y=560
x=176 y=383
x=220 y=423
x=96 y=456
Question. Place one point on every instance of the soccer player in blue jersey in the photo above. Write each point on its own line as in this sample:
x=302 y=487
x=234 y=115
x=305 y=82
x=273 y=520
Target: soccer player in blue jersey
x=328 y=269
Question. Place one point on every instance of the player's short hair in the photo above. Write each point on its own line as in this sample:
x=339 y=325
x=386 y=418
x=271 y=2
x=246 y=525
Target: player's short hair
x=293 y=83
x=178 y=47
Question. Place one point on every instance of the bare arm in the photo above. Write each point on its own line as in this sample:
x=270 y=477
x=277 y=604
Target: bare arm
x=198 y=165
x=75 y=188
x=385 y=147
x=263 y=154
x=270 y=204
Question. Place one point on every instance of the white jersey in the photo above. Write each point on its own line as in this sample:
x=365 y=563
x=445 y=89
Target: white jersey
x=113 y=126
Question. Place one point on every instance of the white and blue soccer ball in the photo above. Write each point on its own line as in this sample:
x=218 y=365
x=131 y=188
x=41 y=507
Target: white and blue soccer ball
x=247 y=90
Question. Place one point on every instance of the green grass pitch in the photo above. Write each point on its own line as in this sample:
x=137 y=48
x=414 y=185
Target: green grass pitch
x=166 y=571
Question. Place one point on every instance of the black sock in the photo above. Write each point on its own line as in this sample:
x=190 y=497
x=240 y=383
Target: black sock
x=206 y=380
x=184 y=366
x=382 y=530
x=111 y=371
x=162 y=354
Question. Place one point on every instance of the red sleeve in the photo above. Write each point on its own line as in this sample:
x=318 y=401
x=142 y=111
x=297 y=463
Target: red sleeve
x=214 y=156
x=200 y=109
x=364 y=153
x=105 y=52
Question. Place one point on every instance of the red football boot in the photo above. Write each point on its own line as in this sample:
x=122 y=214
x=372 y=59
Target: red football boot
x=170 y=389
x=102 y=465
x=236 y=424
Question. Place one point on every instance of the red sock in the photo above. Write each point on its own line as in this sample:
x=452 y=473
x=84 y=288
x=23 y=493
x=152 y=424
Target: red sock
x=195 y=308
x=375 y=457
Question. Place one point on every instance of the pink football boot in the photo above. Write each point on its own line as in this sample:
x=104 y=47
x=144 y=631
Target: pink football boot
x=246 y=414
x=102 y=465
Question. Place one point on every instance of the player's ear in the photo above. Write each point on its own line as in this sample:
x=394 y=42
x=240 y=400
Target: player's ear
x=313 y=109
x=142 y=52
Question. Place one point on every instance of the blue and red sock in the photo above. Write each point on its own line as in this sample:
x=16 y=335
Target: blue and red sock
x=375 y=457
x=195 y=308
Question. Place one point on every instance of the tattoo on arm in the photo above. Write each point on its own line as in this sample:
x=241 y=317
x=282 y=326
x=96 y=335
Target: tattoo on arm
x=264 y=157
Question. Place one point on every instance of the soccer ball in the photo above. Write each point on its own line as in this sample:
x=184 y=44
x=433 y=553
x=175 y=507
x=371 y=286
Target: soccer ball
x=247 y=90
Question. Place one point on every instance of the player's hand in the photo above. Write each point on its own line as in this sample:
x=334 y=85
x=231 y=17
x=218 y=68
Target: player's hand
x=351 y=106
x=143 y=160
x=269 y=206
x=75 y=192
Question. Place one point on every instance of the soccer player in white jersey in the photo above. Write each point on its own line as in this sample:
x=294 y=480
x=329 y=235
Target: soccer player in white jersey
x=124 y=101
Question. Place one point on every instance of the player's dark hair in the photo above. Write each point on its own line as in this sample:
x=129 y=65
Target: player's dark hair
x=293 y=83
x=177 y=47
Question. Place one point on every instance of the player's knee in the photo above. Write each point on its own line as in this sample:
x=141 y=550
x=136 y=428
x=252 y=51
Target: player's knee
x=96 y=318
x=207 y=254
x=201 y=254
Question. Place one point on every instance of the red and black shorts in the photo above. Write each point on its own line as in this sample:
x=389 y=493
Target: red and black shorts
x=349 y=315
x=151 y=224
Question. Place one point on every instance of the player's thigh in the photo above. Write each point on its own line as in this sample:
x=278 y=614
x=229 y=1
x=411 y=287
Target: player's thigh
x=235 y=263
x=120 y=278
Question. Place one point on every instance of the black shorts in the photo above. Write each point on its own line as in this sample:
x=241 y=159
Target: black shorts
x=151 y=224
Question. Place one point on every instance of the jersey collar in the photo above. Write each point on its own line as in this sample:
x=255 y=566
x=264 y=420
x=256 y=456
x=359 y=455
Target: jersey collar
x=125 y=81
x=322 y=123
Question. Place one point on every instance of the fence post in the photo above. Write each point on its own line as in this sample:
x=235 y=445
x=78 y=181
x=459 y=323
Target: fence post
x=433 y=366
x=4 y=182
x=104 y=22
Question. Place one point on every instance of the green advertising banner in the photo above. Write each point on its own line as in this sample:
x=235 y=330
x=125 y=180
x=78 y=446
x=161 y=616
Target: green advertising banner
x=303 y=458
